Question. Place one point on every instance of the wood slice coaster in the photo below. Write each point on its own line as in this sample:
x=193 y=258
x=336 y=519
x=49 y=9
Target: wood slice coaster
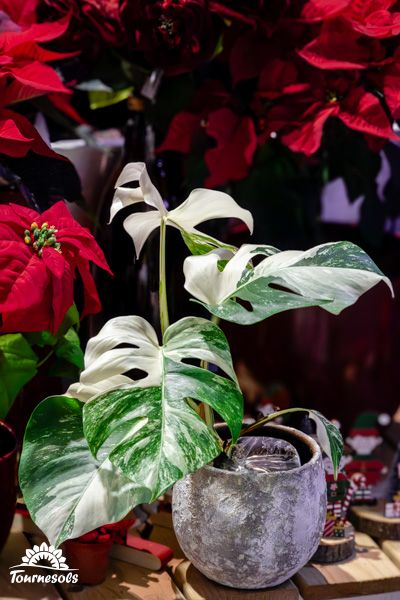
x=371 y=520
x=332 y=550
x=392 y=549
x=370 y=571
x=196 y=586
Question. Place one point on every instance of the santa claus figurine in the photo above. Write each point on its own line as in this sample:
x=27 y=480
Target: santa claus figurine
x=365 y=470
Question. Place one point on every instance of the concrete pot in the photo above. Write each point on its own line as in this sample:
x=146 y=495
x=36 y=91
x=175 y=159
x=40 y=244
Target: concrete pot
x=253 y=530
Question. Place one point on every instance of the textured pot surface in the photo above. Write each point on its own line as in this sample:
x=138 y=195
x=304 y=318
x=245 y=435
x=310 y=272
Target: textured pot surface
x=253 y=530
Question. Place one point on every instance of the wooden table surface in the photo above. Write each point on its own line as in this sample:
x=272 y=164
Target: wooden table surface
x=374 y=574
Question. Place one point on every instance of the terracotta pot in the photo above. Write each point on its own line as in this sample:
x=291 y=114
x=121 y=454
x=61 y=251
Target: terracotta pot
x=8 y=480
x=252 y=530
x=91 y=560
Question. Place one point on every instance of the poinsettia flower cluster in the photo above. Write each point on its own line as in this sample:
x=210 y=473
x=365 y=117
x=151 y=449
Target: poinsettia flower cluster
x=39 y=257
x=25 y=74
x=281 y=69
x=300 y=64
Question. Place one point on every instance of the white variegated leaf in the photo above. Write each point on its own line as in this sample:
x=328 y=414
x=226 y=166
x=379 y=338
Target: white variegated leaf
x=201 y=205
x=67 y=491
x=332 y=276
x=172 y=440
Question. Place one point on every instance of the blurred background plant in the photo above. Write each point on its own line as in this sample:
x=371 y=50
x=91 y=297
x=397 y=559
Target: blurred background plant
x=290 y=106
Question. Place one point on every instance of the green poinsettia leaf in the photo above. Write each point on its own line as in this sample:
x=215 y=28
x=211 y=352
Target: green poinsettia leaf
x=18 y=364
x=45 y=338
x=174 y=440
x=68 y=348
x=332 y=276
x=67 y=491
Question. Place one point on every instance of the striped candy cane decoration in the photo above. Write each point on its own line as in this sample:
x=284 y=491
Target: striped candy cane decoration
x=329 y=526
x=351 y=490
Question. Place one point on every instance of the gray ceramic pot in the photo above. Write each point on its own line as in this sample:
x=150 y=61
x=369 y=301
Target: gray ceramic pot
x=253 y=530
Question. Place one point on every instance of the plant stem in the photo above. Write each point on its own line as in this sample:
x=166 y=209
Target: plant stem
x=162 y=290
x=206 y=412
x=45 y=359
x=271 y=417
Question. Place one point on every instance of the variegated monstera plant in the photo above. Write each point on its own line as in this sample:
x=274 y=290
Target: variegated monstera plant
x=113 y=442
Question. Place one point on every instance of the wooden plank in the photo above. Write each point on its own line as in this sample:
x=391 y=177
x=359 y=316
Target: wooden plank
x=392 y=549
x=370 y=571
x=196 y=586
x=128 y=582
x=11 y=555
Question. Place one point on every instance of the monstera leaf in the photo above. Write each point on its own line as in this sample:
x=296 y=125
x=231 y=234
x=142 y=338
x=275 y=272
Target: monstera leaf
x=157 y=436
x=67 y=491
x=200 y=206
x=332 y=276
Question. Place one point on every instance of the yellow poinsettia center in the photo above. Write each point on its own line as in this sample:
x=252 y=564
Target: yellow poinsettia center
x=331 y=96
x=40 y=237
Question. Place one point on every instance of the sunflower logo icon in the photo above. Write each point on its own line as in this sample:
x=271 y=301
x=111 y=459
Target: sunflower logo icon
x=36 y=556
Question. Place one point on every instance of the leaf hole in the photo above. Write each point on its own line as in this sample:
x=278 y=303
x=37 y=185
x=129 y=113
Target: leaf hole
x=136 y=374
x=125 y=345
x=245 y=304
x=282 y=288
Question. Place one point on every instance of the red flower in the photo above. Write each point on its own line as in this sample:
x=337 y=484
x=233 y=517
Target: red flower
x=236 y=143
x=338 y=46
x=24 y=75
x=319 y=10
x=235 y=137
x=175 y=35
x=39 y=255
x=375 y=18
x=87 y=17
x=300 y=118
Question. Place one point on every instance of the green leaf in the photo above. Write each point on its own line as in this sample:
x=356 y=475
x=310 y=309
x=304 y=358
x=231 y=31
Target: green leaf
x=329 y=437
x=17 y=366
x=66 y=490
x=202 y=244
x=69 y=349
x=101 y=99
x=174 y=440
x=328 y=434
x=332 y=276
x=171 y=442
x=45 y=338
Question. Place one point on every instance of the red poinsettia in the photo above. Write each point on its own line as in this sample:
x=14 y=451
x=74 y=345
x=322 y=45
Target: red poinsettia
x=24 y=74
x=90 y=19
x=373 y=18
x=234 y=134
x=387 y=80
x=300 y=118
x=339 y=46
x=39 y=255
x=175 y=35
